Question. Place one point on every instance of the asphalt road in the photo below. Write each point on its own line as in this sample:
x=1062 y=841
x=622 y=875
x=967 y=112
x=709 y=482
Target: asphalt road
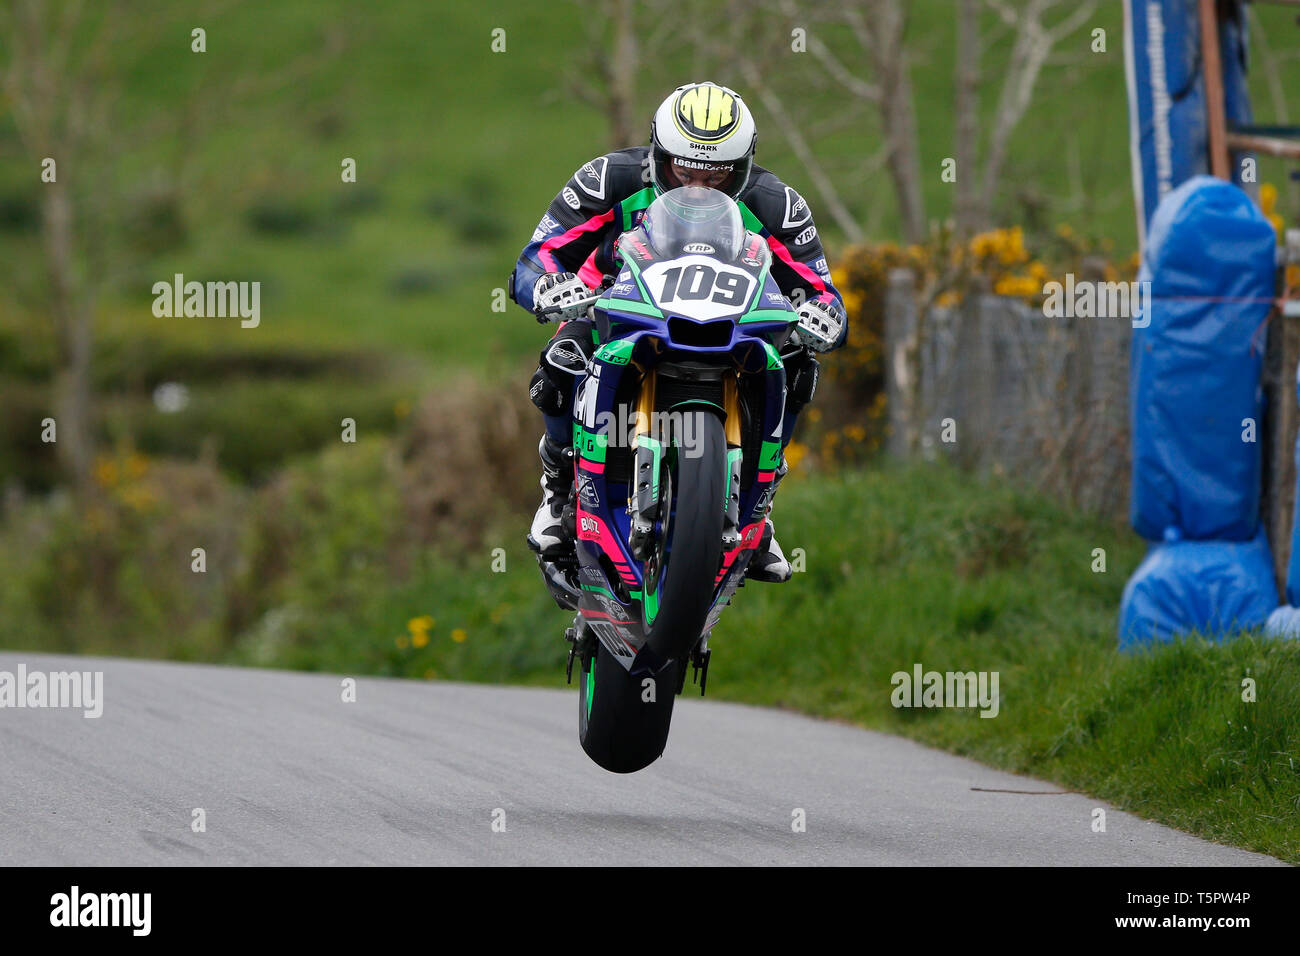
x=415 y=772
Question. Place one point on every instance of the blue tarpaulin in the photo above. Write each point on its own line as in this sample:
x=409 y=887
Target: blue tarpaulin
x=1194 y=382
x=1211 y=588
x=1283 y=622
x=1168 y=138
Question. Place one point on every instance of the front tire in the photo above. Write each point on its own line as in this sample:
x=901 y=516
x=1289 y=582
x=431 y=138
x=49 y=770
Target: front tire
x=624 y=716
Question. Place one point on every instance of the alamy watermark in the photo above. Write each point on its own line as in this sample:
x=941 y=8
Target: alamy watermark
x=217 y=300
x=621 y=425
x=1088 y=299
x=75 y=908
x=82 y=690
x=922 y=688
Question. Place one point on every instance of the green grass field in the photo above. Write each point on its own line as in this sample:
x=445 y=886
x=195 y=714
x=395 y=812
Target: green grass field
x=458 y=150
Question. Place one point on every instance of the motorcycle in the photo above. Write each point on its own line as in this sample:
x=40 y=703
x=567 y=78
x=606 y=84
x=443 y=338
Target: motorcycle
x=677 y=441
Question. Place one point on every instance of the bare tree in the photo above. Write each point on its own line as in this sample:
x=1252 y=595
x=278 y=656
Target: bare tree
x=63 y=80
x=56 y=83
x=889 y=54
x=1034 y=42
x=620 y=59
x=876 y=72
x=966 y=101
x=756 y=41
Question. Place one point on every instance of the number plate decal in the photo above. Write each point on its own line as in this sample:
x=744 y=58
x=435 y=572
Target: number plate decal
x=698 y=287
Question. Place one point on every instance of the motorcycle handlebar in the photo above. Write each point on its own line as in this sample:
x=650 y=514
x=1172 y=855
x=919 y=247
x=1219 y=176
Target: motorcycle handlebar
x=552 y=311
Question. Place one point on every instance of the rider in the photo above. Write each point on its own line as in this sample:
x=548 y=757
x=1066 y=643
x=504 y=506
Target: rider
x=701 y=135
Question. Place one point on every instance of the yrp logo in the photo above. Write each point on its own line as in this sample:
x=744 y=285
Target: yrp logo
x=805 y=237
x=706 y=114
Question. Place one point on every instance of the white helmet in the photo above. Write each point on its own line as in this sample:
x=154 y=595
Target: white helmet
x=707 y=128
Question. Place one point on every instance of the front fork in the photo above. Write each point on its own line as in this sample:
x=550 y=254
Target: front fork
x=648 y=459
x=731 y=405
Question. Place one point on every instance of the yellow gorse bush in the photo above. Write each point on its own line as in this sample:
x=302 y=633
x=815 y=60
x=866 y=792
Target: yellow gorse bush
x=850 y=421
x=1268 y=206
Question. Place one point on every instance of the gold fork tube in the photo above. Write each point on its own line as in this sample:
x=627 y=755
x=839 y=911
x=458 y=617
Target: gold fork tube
x=731 y=405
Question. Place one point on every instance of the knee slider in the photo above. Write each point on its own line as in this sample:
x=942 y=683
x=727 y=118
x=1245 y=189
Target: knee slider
x=545 y=393
x=801 y=385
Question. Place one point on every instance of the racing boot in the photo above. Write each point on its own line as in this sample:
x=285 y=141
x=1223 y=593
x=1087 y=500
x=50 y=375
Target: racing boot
x=768 y=563
x=552 y=534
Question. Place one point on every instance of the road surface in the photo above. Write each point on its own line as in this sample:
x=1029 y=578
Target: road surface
x=285 y=772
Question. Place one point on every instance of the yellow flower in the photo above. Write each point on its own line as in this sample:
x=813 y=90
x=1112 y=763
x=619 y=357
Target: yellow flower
x=458 y=636
x=1267 y=197
x=1013 y=247
x=422 y=623
x=794 y=453
x=420 y=638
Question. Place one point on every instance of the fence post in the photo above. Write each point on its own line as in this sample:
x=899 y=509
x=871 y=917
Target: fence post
x=1277 y=501
x=900 y=327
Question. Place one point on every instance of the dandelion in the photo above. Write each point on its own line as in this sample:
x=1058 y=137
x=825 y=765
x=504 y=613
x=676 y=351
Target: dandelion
x=420 y=639
x=458 y=636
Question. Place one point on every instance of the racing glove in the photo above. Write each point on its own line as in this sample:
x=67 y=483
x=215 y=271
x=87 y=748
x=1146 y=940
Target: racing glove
x=561 y=289
x=821 y=325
